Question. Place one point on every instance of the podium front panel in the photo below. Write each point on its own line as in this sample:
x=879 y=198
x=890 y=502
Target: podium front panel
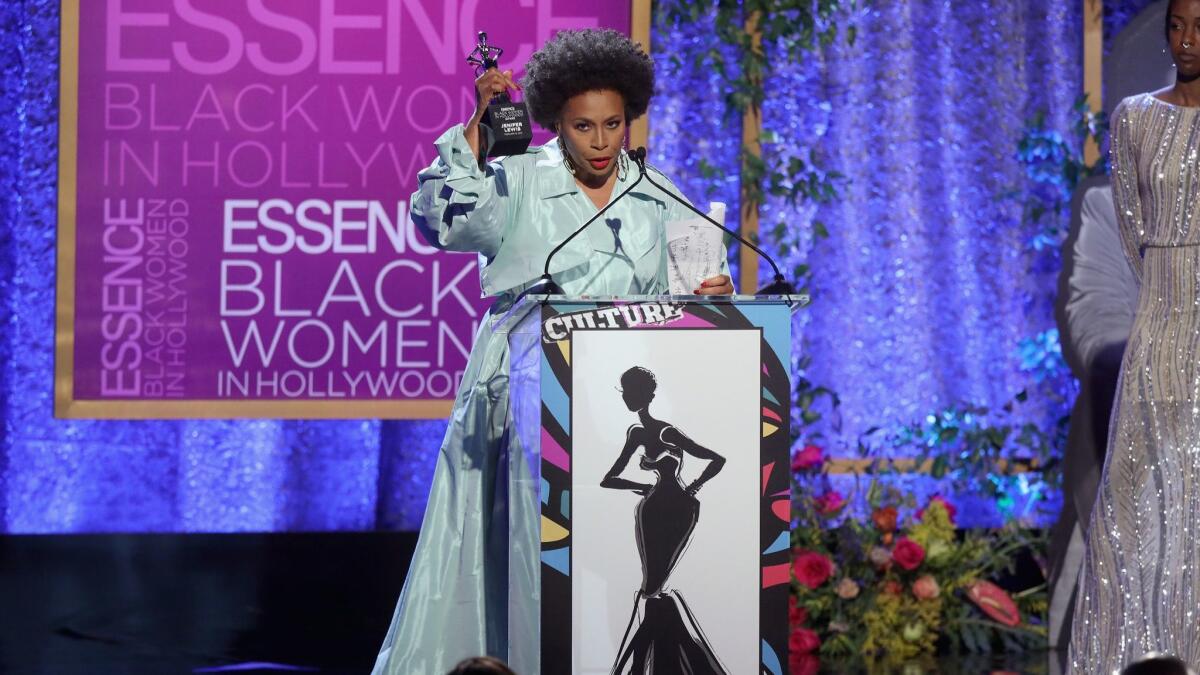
x=639 y=400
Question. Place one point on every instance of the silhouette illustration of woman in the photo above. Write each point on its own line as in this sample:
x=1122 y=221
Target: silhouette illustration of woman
x=662 y=635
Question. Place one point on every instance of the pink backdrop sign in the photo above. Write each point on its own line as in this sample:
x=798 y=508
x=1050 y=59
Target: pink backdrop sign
x=235 y=178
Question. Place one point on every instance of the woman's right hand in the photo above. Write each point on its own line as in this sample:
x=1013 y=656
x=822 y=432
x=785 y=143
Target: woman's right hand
x=490 y=84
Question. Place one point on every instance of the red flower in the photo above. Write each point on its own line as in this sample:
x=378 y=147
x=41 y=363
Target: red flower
x=809 y=457
x=796 y=614
x=994 y=602
x=812 y=569
x=892 y=587
x=804 y=641
x=803 y=664
x=950 y=510
x=829 y=503
x=908 y=553
x=885 y=519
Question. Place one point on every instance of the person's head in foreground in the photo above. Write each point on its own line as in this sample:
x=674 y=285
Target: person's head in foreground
x=481 y=665
x=1157 y=664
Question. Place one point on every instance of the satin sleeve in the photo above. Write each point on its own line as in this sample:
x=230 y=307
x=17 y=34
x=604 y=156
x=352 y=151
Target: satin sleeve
x=1102 y=292
x=459 y=205
x=1126 y=195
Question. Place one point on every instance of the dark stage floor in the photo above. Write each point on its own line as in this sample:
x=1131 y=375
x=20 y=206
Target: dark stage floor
x=139 y=604
x=165 y=604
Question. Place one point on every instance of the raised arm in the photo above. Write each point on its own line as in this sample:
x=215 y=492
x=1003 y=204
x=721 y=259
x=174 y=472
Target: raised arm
x=715 y=462
x=459 y=206
x=612 y=479
x=462 y=203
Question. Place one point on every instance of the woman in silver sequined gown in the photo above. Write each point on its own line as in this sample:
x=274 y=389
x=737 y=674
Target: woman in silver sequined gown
x=1140 y=586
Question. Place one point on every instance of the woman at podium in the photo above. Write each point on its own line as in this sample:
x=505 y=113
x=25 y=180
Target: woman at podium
x=473 y=585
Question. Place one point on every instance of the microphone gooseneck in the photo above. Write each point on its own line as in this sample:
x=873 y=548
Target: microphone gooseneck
x=545 y=284
x=780 y=286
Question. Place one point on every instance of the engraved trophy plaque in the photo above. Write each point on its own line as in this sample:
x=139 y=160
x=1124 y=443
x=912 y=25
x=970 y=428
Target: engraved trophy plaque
x=507 y=119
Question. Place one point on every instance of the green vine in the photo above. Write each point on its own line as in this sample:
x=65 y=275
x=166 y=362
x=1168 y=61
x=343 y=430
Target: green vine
x=754 y=36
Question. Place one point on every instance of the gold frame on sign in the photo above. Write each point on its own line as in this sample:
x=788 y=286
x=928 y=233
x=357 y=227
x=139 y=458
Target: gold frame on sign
x=68 y=407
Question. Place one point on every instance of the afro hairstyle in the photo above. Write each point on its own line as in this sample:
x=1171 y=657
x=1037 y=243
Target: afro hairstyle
x=578 y=61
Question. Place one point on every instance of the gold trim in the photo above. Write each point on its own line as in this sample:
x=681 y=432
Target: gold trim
x=752 y=144
x=1093 y=66
x=68 y=117
x=639 y=32
x=242 y=409
x=839 y=465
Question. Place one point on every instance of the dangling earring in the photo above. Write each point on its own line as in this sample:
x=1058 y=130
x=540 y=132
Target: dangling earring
x=566 y=158
x=623 y=165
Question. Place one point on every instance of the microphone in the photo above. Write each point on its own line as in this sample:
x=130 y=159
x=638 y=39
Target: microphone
x=780 y=286
x=545 y=284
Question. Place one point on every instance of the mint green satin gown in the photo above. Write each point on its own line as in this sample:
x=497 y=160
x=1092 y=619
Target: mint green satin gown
x=473 y=585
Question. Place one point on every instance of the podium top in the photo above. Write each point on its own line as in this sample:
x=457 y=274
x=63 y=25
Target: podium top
x=515 y=316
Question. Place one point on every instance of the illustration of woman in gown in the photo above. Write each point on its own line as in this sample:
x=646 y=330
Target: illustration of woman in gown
x=1140 y=586
x=662 y=635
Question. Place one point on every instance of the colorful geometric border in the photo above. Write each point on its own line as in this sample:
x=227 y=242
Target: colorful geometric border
x=773 y=319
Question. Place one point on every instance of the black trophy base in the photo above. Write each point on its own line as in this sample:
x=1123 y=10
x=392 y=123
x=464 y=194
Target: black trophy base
x=511 y=131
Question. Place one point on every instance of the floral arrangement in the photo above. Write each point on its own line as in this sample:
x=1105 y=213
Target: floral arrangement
x=900 y=580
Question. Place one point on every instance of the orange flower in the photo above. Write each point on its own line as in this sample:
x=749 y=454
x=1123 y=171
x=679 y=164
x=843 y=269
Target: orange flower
x=885 y=519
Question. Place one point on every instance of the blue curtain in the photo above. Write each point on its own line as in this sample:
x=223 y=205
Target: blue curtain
x=924 y=290
x=930 y=290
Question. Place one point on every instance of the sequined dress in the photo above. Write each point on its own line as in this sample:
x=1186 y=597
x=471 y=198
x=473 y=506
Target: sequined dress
x=1140 y=586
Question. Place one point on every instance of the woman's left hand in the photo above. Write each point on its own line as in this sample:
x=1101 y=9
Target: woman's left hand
x=718 y=285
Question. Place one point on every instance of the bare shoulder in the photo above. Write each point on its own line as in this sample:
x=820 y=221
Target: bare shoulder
x=671 y=434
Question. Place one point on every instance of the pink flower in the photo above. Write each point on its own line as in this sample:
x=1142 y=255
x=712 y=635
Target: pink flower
x=926 y=588
x=812 y=569
x=804 y=641
x=796 y=613
x=846 y=589
x=809 y=457
x=803 y=664
x=994 y=602
x=908 y=553
x=950 y=510
x=829 y=503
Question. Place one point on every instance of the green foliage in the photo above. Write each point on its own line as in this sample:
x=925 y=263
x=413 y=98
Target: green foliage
x=1055 y=166
x=753 y=36
x=996 y=452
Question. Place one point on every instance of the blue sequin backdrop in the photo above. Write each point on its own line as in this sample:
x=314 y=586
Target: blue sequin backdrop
x=922 y=289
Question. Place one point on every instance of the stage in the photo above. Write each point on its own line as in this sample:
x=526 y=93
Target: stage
x=254 y=603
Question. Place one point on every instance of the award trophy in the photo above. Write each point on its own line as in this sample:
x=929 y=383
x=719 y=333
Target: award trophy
x=508 y=120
